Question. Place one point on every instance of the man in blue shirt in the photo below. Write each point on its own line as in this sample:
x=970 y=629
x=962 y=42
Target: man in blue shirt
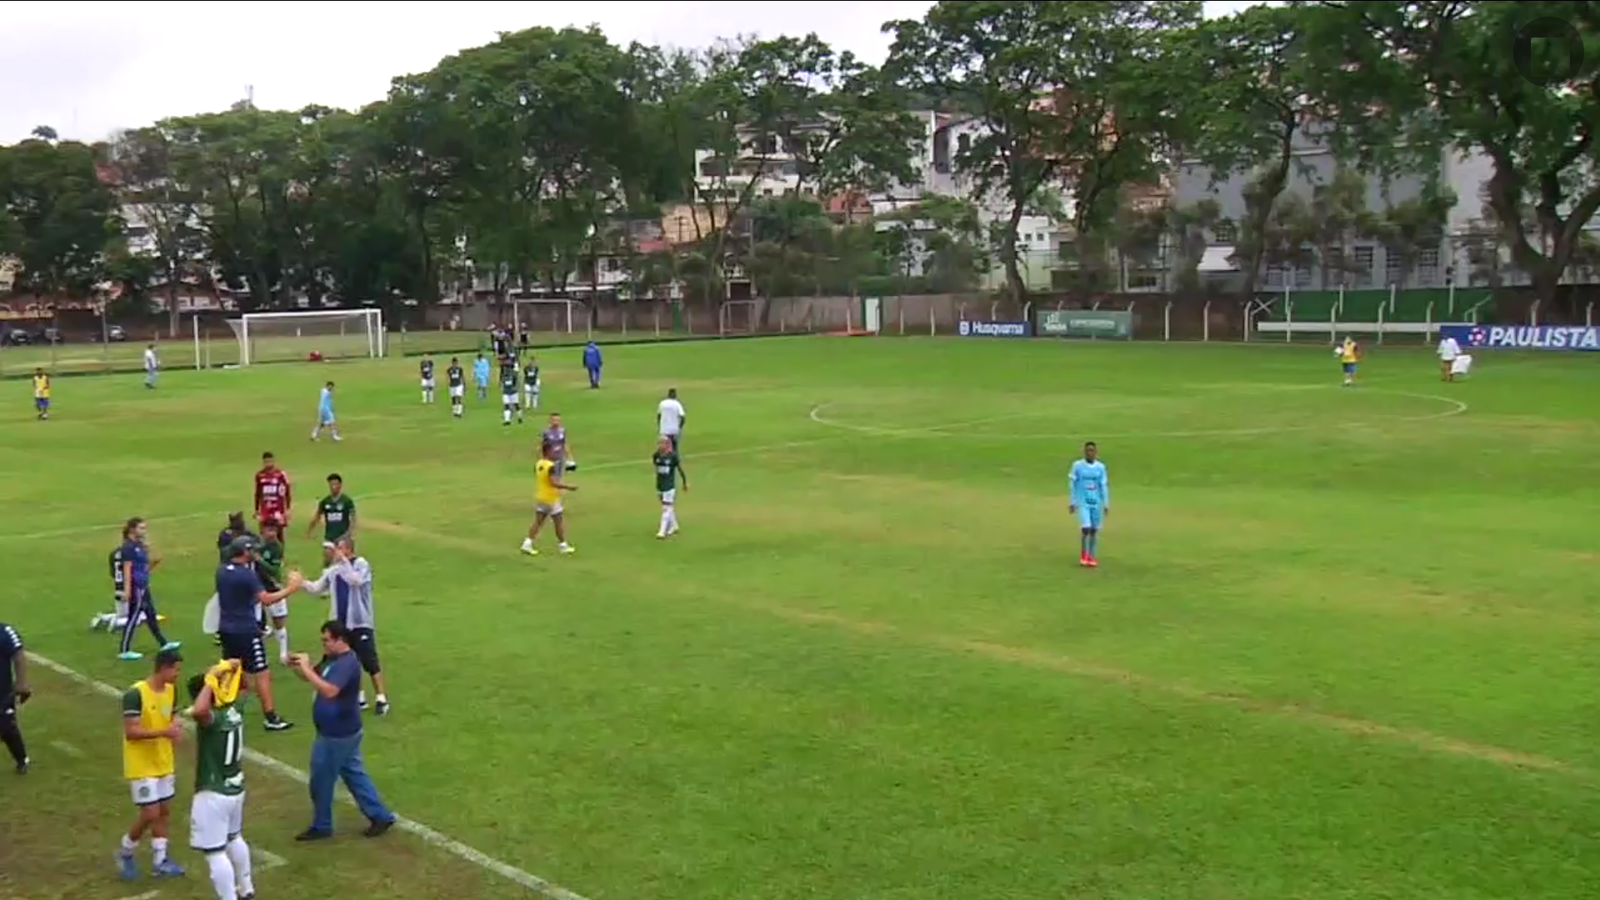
x=480 y=375
x=240 y=596
x=336 y=753
x=591 y=361
x=137 y=563
x=1091 y=500
x=325 y=413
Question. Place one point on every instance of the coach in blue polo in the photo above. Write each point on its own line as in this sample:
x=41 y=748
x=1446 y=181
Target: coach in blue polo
x=336 y=752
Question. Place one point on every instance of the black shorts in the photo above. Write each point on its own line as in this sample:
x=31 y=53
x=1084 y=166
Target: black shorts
x=364 y=644
x=246 y=648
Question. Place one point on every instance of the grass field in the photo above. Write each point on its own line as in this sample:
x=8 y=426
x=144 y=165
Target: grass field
x=1341 y=645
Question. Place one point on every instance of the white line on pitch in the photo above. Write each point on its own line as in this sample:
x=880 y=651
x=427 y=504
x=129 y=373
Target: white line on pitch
x=429 y=836
x=67 y=749
x=147 y=895
x=268 y=859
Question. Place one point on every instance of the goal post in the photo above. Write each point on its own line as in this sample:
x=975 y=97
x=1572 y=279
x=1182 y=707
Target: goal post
x=330 y=333
x=532 y=315
x=737 y=317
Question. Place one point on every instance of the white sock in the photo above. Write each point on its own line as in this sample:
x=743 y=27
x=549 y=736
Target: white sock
x=158 y=847
x=239 y=854
x=222 y=876
x=129 y=845
x=666 y=519
x=121 y=609
x=672 y=519
x=506 y=415
x=282 y=634
x=527 y=543
x=361 y=696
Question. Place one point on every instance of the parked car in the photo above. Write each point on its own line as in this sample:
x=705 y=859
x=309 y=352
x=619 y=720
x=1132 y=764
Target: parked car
x=115 y=333
x=16 y=337
x=49 y=335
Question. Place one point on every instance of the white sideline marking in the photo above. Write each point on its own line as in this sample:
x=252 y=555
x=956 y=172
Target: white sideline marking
x=268 y=859
x=63 y=746
x=403 y=492
x=147 y=895
x=433 y=838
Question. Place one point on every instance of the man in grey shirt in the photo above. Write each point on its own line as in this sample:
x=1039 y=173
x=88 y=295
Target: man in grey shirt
x=347 y=580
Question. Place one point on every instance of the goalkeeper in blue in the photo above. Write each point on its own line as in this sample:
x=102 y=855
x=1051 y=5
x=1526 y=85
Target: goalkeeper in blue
x=1091 y=500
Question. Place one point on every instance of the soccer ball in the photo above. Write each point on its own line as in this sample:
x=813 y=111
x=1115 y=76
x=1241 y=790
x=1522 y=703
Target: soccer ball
x=1338 y=351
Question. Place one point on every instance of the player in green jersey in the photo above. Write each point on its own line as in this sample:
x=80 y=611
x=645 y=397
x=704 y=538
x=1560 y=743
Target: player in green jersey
x=269 y=568
x=669 y=471
x=336 y=512
x=216 y=816
x=509 y=401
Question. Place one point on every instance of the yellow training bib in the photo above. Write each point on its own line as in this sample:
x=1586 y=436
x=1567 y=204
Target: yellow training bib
x=154 y=710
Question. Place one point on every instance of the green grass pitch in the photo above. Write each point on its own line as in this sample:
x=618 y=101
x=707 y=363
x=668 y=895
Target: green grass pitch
x=1341 y=645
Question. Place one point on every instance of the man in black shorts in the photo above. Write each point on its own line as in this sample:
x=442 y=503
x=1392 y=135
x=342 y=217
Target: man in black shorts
x=14 y=692
x=240 y=597
x=348 y=581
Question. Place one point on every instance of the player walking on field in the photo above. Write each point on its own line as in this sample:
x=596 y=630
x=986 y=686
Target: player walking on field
x=152 y=367
x=269 y=568
x=149 y=731
x=480 y=376
x=530 y=384
x=669 y=471
x=216 y=815
x=458 y=386
x=555 y=436
x=273 y=494
x=1349 y=354
x=670 y=418
x=14 y=692
x=547 y=501
x=137 y=563
x=336 y=512
x=325 y=413
x=427 y=379
x=41 y=394
x=1091 y=500
x=509 y=402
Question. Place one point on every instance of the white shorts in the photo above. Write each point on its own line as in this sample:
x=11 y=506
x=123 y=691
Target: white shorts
x=456 y=390
x=530 y=392
x=668 y=496
x=508 y=399
x=147 y=791
x=427 y=384
x=549 y=509
x=214 y=820
x=279 y=610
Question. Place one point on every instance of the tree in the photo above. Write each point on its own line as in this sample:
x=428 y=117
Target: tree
x=1444 y=78
x=62 y=219
x=1249 y=78
x=165 y=208
x=1337 y=216
x=1414 y=225
x=1063 y=92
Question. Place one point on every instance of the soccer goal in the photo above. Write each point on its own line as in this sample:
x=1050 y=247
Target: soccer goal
x=535 y=315
x=328 y=333
x=738 y=317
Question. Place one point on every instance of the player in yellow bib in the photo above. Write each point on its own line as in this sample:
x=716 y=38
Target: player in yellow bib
x=547 y=488
x=41 y=393
x=149 y=730
x=1349 y=355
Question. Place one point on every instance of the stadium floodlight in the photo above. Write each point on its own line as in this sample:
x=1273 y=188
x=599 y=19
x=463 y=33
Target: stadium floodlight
x=330 y=333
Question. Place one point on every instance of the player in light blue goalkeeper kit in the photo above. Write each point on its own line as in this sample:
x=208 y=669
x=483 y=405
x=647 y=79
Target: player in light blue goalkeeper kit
x=325 y=414
x=480 y=374
x=1091 y=500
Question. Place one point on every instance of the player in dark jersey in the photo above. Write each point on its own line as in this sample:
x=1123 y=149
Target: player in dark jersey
x=457 y=379
x=530 y=384
x=119 y=602
x=14 y=692
x=669 y=471
x=509 y=402
x=427 y=379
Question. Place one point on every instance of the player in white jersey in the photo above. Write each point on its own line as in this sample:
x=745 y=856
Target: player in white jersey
x=151 y=367
x=670 y=418
x=530 y=383
x=1449 y=351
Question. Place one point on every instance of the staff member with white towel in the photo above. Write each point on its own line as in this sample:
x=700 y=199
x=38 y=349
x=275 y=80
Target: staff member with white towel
x=347 y=581
x=1451 y=359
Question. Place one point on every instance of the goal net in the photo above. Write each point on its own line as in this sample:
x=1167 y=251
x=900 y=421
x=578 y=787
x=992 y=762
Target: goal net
x=328 y=333
x=547 y=316
x=737 y=317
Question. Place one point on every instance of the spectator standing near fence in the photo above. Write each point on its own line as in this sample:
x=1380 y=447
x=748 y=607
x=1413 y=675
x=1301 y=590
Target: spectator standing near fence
x=336 y=752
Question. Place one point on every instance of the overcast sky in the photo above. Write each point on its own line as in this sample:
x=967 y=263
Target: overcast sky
x=89 y=68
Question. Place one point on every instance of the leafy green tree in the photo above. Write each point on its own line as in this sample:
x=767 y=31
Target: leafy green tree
x=166 y=209
x=63 y=220
x=1415 y=224
x=1443 y=76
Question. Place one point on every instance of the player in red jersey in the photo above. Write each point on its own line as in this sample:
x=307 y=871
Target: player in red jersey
x=272 y=494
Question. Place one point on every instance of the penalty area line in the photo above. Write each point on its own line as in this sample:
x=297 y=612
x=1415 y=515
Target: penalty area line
x=429 y=836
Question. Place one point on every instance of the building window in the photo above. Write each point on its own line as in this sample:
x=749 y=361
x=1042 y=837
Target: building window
x=1274 y=277
x=1224 y=233
x=1362 y=276
x=1302 y=278
x=1428 y=267
x=963 y=143
x=1334 y=273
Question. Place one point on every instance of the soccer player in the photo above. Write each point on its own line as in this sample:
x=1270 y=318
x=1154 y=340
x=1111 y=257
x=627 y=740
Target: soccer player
x=137 y=563
x=547 y=501
x=149 y=730
x=592 y=363
x=480 y=376
x=269 y=568
x=14 y=692
x=556 y=436
x=427 y=379
x=336 y=512
x=325 y=413
x=119 y=596
x=216 y=814
x=1091 y=500
x=347 y=580
x=225 y=538
x=240 y=596
x=458 y=386
x=530 y=384
x=41 y=394
x=669 y=471
x=670 y=418
x=273 y=494
x=509 y=404
x=1349 y=355
x=151 y=366
x=1449 y=350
